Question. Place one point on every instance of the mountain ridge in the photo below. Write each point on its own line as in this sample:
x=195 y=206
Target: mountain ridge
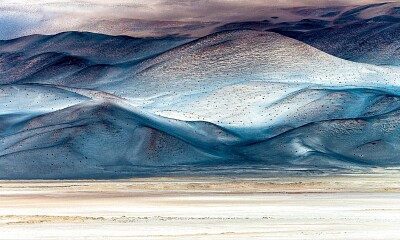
x=231 y=99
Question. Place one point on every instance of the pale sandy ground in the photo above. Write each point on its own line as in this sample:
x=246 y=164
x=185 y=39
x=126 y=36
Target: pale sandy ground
x=335 y=207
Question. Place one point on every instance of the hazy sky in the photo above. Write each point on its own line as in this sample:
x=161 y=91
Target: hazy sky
x=138 y=17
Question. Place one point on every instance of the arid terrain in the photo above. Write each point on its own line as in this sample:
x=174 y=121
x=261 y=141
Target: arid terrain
x=334 y=207
x=200 y=119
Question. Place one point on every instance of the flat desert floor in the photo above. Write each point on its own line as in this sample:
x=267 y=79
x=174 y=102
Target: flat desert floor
x=324 y=207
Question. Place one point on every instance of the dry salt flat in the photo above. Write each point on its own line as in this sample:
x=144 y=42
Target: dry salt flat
x=330 y=207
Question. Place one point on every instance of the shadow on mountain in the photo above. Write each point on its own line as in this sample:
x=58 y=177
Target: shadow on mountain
x=367 y=34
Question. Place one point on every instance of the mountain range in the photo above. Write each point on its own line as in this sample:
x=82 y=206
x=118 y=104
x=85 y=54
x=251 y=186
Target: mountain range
x=319 y=94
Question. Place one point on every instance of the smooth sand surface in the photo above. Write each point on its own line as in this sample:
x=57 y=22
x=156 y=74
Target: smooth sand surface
x=333 y=207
